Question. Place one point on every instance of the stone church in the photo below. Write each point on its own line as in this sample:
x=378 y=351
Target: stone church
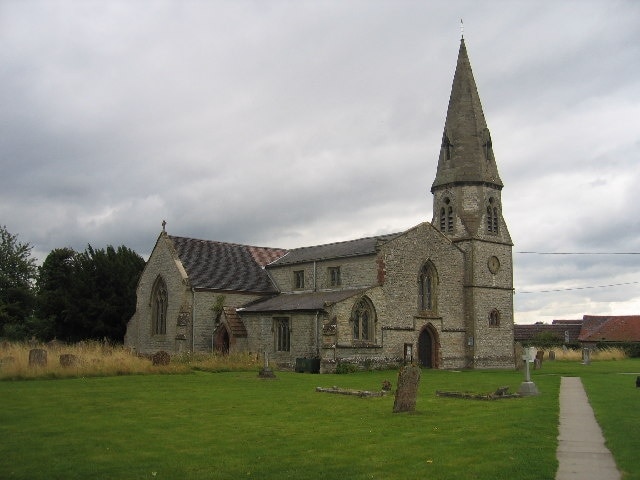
x=439 y=294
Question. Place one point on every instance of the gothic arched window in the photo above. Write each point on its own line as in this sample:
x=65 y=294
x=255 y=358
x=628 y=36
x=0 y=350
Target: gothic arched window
x=159 y=301
x=446 y=216
x=494 y=318
x=492 y=217
x=446 y=146
x=363 y=317
x=427 y=286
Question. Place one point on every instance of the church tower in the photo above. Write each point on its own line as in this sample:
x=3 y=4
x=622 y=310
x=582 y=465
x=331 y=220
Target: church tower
x=467 y=208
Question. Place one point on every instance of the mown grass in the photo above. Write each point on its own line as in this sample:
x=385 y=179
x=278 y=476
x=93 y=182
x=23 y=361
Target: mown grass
x=234 y=425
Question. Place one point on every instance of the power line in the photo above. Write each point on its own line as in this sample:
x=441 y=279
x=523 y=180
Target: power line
x=580 y=253
x=578 y=288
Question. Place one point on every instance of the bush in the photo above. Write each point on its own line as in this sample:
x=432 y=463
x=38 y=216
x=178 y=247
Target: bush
x=345 y=367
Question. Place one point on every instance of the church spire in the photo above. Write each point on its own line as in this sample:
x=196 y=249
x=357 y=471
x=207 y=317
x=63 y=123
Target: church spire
x=466 y=153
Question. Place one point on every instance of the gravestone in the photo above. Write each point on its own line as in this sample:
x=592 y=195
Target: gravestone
x=407 y=391
x=586 y=356
x=68 y=360
x=161 y=358
x=527 y=387
x=266 y=371
x=37 y=357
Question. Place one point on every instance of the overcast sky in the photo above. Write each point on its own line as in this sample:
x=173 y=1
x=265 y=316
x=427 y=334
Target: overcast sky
x=294 y=123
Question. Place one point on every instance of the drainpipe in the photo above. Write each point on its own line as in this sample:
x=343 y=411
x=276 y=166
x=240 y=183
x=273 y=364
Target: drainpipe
x=193 y=319
x=317 y=334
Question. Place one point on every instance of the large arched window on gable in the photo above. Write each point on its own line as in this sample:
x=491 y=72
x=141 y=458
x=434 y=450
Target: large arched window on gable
x=159 y=301
x=363 y=317
x=427 y=288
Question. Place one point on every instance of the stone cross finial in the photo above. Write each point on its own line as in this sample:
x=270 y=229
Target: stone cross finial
x=164 y=224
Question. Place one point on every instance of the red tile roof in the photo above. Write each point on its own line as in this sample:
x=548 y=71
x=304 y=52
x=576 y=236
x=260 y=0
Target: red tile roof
x=525 y=333
x=610 y=329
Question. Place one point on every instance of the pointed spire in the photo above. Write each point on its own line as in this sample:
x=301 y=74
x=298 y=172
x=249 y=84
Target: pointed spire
x=466 y=154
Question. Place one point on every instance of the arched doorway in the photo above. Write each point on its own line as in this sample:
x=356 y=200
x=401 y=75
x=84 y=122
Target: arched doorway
x=428 y=347
x=222 y=340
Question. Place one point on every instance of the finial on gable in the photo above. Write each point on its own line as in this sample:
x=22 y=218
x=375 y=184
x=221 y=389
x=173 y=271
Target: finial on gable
x=164 y=225
x=461 y=29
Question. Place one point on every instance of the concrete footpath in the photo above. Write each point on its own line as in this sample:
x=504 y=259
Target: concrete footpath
x=581 y=452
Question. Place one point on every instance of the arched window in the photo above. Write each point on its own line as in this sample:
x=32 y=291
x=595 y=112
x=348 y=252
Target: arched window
x=492 y=217
x=363 y=317
x=446 y=146
x=159 y=300
x=427 y=286
x=446 y=216
x=494 y=318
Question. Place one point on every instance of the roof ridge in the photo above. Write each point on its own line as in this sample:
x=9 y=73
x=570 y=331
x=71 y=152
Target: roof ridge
x=347 y=241
x=234 y=244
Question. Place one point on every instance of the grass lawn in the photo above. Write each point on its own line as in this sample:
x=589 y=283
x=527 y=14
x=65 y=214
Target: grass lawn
x=234 y=425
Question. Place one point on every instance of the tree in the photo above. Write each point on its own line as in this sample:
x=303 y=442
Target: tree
x=89 y=295
x=17 y=274
x=54 y=287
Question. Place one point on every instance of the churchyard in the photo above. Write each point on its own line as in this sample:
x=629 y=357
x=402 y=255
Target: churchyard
x=183 y=422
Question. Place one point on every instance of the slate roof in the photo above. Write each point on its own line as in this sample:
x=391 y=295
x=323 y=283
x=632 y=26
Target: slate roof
x=287 y=302
x=610 y=329
x=226 y=266
x=235 y=323
x=525 y=333
x=350 y=248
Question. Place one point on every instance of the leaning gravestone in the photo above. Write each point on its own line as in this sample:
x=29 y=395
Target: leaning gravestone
x=407 y=392
x=37 y=357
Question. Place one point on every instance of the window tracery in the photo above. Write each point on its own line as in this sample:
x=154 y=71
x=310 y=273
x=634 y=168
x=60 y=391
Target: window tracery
x=159 y=301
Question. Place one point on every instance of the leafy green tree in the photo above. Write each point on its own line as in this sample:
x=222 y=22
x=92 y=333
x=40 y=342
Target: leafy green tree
x=89 y=295
x=54 y=287
x=18 y=271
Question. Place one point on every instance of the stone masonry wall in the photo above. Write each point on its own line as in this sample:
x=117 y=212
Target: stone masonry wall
x=139 y=328
x=403 y=258
x=355 y=272
x=305 y=336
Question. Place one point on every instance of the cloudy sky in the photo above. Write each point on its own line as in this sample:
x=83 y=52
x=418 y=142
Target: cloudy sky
x=292 y=123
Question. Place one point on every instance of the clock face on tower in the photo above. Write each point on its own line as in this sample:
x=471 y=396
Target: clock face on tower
x=494 y=264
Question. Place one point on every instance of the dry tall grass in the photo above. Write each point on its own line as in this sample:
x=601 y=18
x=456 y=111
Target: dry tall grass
x=92 y=359
x=576 y=355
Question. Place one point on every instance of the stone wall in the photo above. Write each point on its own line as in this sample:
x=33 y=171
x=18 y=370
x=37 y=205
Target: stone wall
x=162 y=262
x=305 y=335
x=355 y=272
x=180 y=336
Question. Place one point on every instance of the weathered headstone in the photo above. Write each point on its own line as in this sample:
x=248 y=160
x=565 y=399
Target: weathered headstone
x=161 y=358
x=586 y=356
x=68 y=360
x=552 y=355
x=37 y=357
x=407 y=391
x=528 y=387
x=266 y=371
